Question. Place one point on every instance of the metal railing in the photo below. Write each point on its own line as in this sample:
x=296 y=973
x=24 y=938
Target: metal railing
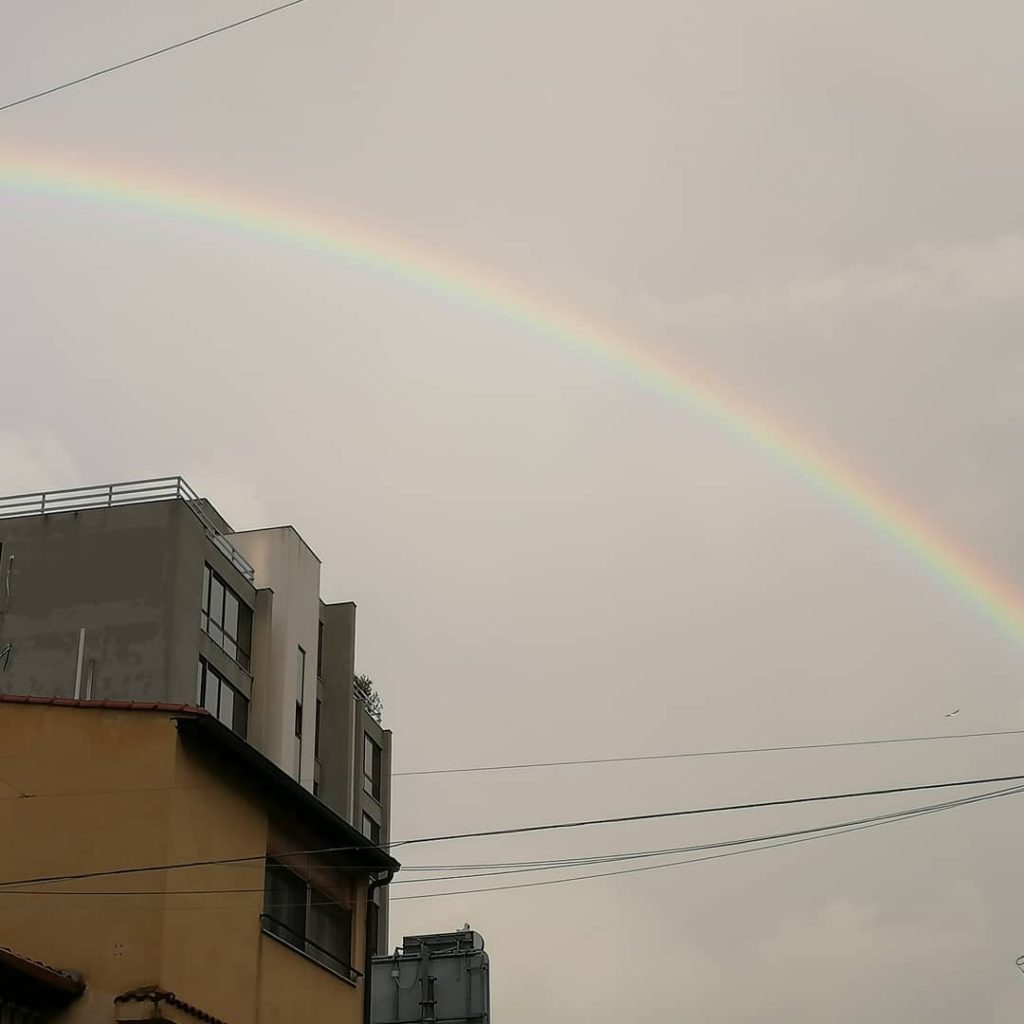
x=132 y=492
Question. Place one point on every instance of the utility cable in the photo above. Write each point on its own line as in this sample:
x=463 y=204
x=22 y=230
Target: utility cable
x=787 y=802
x=572 y=862
x=707 y=753
x=147 y=56
x=692 y=860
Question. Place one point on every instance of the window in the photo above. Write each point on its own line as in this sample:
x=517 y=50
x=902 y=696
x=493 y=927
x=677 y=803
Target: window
x=371 y=829
x=316 y=730
x=300 y=685
x=307 y=919
x=371 y=767
x=221 y=699
x=226 y=619
x=320 y=651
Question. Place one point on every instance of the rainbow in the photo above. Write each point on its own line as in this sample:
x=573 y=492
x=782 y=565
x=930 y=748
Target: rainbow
x=372 y=250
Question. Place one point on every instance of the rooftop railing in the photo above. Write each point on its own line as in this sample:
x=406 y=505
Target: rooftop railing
x=132 y=492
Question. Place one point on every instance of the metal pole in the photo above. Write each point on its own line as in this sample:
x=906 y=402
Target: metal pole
x=78 y=669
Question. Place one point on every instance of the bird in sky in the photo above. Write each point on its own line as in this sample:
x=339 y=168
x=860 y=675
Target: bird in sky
x=953 y=714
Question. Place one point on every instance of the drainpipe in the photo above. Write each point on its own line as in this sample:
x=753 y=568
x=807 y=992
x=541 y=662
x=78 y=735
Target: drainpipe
x=375 y=884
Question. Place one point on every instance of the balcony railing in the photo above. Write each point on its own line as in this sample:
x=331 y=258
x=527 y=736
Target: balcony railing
x=132 y=492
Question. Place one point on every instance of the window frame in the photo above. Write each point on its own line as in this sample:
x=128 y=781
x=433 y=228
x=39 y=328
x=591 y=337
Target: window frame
x=374 y=833
x=236 y=642
x=210 y=683
x=315 y=905
x=373 y=780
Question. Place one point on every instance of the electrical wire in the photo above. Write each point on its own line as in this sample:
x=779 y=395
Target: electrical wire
x=560 y=764
x=842 y=829
x=787 y=802
x=147 y=56
x=722 y=808
x=647 y=854
x=679 y=863
x=708 y=753
x=573 y=861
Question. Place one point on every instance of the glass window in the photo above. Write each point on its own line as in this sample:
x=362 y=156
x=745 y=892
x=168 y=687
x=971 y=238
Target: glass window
x=371 y=767
x=216 y=599
x=226 y=618
x=284 y=903
x=307 y=918
x=316 y=730
x=226 y=710
x=300 y=677
x=221 y=699
x=371 y=829
x=329 y=938
x=320 y=651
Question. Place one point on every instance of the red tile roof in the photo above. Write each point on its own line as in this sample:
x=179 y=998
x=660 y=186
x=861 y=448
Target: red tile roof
x=60 y=981
x=156 y=995
x=110 y=705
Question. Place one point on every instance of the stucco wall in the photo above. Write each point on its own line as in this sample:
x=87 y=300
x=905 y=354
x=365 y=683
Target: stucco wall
x=107 y=789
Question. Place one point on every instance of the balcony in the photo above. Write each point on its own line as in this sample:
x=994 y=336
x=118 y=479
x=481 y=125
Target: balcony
x=132 y=492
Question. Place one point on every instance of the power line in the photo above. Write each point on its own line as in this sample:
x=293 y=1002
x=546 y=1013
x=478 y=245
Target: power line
x=834 y=830
x=559 y=764
x=708 y=753
x=568 y=862
x=789 y=801
x=756 y=805
x=697 y=860
x=147 y=56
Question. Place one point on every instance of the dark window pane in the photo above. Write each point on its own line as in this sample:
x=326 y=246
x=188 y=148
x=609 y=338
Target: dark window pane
x=211 y=687
x=298 y=720
x=226 y=711
x=240 y=722
x=199 y=684
x=206 y=588
x=216 y=601
x=320 y=651
x=316 y=732
x=244 y=635
x=371 y=829
x=284 y=902
x=230 y=614
x=330 y=931
x=371 y=767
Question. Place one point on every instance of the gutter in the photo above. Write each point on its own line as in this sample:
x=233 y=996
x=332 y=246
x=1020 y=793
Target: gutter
x=375 y=884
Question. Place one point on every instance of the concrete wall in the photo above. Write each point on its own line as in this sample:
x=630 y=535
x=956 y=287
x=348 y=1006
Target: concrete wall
x=126 y=575
x=118 y=789
x=285 y=564
x=131 y=577
x=338 y=712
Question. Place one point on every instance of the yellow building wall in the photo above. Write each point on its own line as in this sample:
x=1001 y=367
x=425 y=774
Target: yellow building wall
x=108 y=789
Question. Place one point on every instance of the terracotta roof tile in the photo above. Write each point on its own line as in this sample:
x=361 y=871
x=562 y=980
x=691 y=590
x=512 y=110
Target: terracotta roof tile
x=156 y=995
x=110 y=705
x=63 y=981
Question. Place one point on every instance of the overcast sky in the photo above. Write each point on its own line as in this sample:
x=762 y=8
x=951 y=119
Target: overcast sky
x=819 y=202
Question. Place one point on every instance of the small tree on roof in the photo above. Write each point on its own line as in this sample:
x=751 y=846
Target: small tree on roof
x=366 y=690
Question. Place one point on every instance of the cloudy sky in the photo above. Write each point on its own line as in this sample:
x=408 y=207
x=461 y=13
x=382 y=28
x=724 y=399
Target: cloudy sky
x=817 y=203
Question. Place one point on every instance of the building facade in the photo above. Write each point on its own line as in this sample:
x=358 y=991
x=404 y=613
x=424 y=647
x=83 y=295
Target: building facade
x=143 y=592
x=187 y=877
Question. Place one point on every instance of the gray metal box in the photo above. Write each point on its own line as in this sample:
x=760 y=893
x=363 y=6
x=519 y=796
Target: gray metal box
x=433 y=979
